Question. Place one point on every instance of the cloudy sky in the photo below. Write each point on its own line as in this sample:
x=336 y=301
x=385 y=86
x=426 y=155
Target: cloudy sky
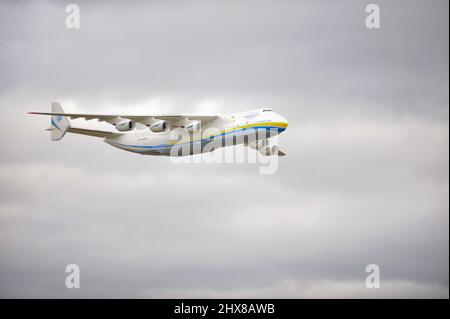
x=366 y=178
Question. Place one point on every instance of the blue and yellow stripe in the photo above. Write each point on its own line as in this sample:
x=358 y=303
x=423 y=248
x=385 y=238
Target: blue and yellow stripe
x=279 y=126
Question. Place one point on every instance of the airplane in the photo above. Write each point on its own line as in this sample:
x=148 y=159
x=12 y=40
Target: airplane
x=153 y=134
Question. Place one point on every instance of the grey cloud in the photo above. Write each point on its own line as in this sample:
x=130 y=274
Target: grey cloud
x=365 y=180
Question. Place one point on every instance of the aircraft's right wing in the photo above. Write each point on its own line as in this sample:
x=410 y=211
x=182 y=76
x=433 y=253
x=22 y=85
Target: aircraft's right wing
x=144 y=119
x=60 y=121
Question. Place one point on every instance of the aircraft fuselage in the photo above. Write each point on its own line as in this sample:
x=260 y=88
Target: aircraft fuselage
x=231 y=129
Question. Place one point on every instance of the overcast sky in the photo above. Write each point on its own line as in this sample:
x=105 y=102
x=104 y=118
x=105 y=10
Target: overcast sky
x=366 y=178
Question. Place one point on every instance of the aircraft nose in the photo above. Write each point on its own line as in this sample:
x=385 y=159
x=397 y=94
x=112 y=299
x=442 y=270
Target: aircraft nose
x=284 y=121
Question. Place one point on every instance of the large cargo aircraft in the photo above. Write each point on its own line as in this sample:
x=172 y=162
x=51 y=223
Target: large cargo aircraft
x=176 y=134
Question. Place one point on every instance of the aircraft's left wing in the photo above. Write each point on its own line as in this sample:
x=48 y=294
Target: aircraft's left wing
x=96 y=133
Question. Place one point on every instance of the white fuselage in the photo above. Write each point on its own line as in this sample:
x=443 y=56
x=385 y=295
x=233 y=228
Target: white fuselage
x=224 y=127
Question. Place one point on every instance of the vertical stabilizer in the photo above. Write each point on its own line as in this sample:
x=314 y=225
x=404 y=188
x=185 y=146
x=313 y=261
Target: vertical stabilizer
x=59 y=123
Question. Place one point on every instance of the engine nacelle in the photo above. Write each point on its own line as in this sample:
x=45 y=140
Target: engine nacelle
x=158 y=126
x=125 y=125
x=192 y=126
x=270 y=150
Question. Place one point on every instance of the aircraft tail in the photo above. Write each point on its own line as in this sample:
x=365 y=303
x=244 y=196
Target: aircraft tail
x=59 y=124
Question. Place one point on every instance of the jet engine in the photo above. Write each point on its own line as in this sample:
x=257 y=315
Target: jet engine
x=192 y=126
x=158 y=126
x=125 y=125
